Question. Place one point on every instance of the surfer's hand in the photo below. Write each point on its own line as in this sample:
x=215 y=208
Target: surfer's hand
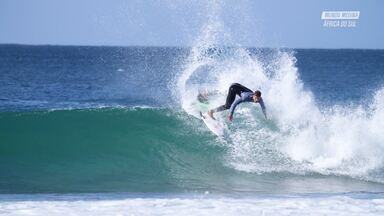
x=230 y=117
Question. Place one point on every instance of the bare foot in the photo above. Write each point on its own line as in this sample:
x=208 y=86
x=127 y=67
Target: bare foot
x=210 y=113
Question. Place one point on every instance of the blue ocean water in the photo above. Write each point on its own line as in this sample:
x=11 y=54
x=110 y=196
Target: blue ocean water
x=34 y=77
x=78 y=119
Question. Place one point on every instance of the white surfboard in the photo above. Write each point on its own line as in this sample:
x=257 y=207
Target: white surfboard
x=202 y=105
x=217 y=127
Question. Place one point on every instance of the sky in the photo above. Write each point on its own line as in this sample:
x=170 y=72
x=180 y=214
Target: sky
x=251 y=23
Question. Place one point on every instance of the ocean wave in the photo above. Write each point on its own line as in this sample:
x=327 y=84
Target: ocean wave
x=301 y=135
x=142 y=150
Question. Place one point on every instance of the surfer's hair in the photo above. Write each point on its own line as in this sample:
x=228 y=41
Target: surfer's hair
x=258 y=93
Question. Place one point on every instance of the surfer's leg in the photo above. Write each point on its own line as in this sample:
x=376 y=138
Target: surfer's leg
x=220 y=108
x=232 y=91
x=217 y=109
x=240 y=88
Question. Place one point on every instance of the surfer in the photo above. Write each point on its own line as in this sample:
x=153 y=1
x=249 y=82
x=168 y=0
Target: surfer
x=246 y=95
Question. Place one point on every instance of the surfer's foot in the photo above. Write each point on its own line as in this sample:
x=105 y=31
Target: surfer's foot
x=210 y=113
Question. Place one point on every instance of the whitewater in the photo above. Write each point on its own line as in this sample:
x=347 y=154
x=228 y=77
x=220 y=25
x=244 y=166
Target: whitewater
x=181 y=205
x=301 y=135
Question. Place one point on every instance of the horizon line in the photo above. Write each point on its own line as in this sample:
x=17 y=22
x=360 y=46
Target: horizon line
x=180 y=46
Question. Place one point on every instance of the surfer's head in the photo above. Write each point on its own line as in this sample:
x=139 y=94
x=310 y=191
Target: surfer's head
x=256 y=97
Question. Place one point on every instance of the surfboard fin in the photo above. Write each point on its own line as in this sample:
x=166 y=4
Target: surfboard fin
x=201 y=115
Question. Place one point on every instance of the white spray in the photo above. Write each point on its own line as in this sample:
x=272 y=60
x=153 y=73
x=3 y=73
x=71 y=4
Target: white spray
x=299 y=137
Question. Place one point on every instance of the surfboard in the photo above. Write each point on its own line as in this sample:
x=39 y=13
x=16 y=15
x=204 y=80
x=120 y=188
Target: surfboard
x=202 y=106
x=217 y=127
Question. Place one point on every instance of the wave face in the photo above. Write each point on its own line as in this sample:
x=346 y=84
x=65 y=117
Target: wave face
x=104 y=150
x=136 y=150
x=113 y=150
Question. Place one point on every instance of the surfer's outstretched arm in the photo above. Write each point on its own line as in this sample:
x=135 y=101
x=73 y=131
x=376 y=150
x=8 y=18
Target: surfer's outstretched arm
x=233 y=107
x=262 y=105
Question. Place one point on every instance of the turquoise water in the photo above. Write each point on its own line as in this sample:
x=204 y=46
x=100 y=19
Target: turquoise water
x=133 y=150
x=104 y=150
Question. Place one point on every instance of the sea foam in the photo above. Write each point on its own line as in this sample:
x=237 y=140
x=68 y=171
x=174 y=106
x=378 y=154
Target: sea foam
x=301 y=136
x=290 y=205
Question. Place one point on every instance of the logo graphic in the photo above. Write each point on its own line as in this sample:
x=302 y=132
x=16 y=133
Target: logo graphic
x=340 y=19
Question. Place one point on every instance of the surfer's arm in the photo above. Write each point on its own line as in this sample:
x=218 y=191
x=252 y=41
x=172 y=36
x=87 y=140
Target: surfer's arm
x=262 y=105
x=233 y=106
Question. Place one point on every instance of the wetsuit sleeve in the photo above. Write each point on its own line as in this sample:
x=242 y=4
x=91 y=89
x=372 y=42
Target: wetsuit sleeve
x=233 y=106
x=262 y=105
